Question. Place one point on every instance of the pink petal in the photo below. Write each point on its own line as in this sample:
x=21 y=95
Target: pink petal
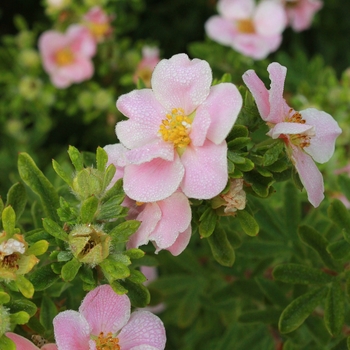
x=59 y=81
x=301 y=16
x=154 y=180
x=116 y=156
x=309 y=175
x=327 y=130
x=49 y=347
x=176 y=216
x=205 y=170
x=287 y=128
x=150 y=272
x=236 y=9
x=143 y=329
x=221 y=30
x=146 y=153
x=81 y=41
x=181 y=242
x=145 y=115
x=21 y=342
x=81 y=69
x=259 y=92
x=270 y=18
x=72 y=331
x=104 y=310
x=223 y=104
x=200 y=126
x=149 y=217
x=277 y=102
x=181 y=83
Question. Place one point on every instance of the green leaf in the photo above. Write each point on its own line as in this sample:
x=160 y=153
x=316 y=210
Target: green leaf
x=7 y=343
x=70 y=270
x=54 y=229
x=300 y=274
x=292 y=211
x=239 y=142
x=114 y=270
x=272 y=292
x=76 y=158
x=9 y=221
x=247 y=222
x=272 y=154
x=260 y=184
x=137 y=276
x=348 y=342
x=235 y=157
x=115 y=190
x=112 y=209
x=25 y=286
x=17 y=198
x=208 y=221
x=172 y=284
x=319 y=243
x=248 y=165
x=294 y=315
x=38 y=248
x=339 y=249
x=134 y=253
x=334 y=311
x=238 y=131
x=341 y=217
x=267 y=316
x=22 y=305
x=62 y=173
x=344 y=183
x=43 y=277
x=88 y=209
x=221 y=248
x=138 y=294
x=4 y=297
x=101 y=159
x=48 y=311
x=123 y=231
x=108 y=175
x=39 y=184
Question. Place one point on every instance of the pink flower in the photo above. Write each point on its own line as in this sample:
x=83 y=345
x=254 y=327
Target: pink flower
x=301 y=12
x=166 y=223
x=24 y=344
x=308 y=134
x=150 y=58
x=253 y=30
x=104 y=321
x=98 y=23
x=176 y=132
x=67 y=57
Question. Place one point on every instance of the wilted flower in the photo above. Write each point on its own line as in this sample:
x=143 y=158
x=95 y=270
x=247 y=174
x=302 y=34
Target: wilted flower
x=253 y=30
x=104 y=322
x=98 y=22
x=67 y=57
x=301 y=12
x=176 y=132
x=24 y=344
x=308 y=134
x=150 y=58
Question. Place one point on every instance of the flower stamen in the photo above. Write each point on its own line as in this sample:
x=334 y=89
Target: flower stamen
x=64 y=56
x=107 y=342
x=245 y=26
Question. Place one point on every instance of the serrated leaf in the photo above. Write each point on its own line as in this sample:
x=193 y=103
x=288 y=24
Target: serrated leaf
x=300 y=274
x=88 y=209
x=334 y=311
x=17 y=198
x=208 y=221
x=76 y=158
x=48 y=311
x=39 y=184
x=247 y=222
x=70 y=270
x=341 y=217
x=221 y=248
x=62 y=173
x=54 y=229
x=294 y=315
x=43 y=277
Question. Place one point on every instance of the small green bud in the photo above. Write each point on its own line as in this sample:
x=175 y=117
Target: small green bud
x=29 y=87
x=4 y=320
x=29 y=58
x=88 y=182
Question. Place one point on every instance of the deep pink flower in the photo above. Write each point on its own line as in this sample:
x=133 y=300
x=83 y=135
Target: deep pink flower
x=253 y=30
x=176 y=132
x=301 y=12
x=104 y=319
x=98 y=23
x=67 y=57
x=308 y=134
x=150 y=58
x=166 y=223
x=24 y=344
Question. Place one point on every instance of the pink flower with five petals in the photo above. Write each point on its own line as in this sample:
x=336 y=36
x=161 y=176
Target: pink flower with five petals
x=253 y=30
x=24 y=344
x=98 y=22
x=104 y=321
x=309 y=134
x=176 y=132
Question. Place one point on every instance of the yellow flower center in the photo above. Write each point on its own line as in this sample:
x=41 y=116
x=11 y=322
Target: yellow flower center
x=245 y=26
x=64 y=56
x=176 y=128
x=99 y=30
x=301 y=140
x=107 y=342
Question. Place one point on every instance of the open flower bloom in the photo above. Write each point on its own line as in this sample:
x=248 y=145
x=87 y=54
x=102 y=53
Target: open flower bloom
x=176 y=132
x=253 y=30
x=104 y=322
x=67 y=57
x=24 y=344
x=150 y=58
x=301 y=12
x=308 y=134
x=98 y=23
x=166 y=223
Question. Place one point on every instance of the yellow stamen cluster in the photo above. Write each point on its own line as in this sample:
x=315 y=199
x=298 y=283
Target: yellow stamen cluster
x=176 y=128
x=107 y=342
x=301 y=140
x=99 y=30
x=64 y=57
x=245 y=26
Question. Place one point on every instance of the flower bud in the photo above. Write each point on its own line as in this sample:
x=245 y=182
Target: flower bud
x=87 y=182
x=30 y=87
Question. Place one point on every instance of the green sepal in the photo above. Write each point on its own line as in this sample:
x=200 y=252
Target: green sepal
x=70 y=270
x=4 y=298
x=208 y=221
x=341 y=217
x=294 y=315
x=22 y=305
x=123 y=231
x=9 y=221
x=101 y=159
x=221 y=248
x=62 y=173
x=17 y=198
x=25 y=286
x=88 y=209
x=48 y=311
x=114 y=270
x=247 y=222
x=76 y=158
x=54 y=229
x=7 y=343
x=39 y=184
x=38 y=248
x=334 y=311
x=300 y=274
x=134 y=253
x=43 y=277
x=138 y=294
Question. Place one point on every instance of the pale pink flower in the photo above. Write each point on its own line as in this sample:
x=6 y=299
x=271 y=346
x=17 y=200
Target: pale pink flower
x=67 y=57
x=301 y=12
x=253 y=30
x=24 y=344
x=104 y=319
x=176 y=132
x=144 y=70
x=166 y=223
x=308 y=134
x=98 y=23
